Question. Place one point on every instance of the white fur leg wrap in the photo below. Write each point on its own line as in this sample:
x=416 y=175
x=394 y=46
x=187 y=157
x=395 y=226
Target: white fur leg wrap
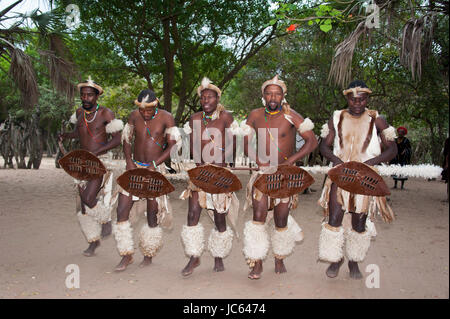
x=123 y=233
x=193 y=238
x=101 y=213
x=256 y=241
x=295 y=229
x=331 y=243
x=220 y=243
x=150 y=240
x=283 y=242
x=356 y=245
x=90 y=227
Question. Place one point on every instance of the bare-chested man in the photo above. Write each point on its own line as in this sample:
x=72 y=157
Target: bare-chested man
x=352 y=134
x=153 y=132
x=93 y=123
x=207 y=131
x=278 y=125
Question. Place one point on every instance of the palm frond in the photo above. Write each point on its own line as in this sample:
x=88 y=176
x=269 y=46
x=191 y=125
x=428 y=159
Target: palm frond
x=410 y=52
x=341 y=65
x=22 y=72
x=61 y=69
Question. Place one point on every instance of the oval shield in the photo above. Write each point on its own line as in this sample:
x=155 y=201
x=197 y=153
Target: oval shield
x=214 y=179
x=286 y=181
x=82 y=165
x=144 y=183
x=358 y=178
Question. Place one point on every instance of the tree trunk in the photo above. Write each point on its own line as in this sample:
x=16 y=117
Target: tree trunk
x=169 y=72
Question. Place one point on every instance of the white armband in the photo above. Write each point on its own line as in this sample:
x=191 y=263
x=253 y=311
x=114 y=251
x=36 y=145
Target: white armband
x=187 y=128
x=73 y=118
x=324 y=131
x=128 y=133
x=389 y=133
x=114 y=126
x=307 y=125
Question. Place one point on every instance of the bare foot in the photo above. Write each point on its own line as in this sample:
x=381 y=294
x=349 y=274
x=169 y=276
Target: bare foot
x=126 y=260
x=279 y=266
x=189 y=269
x=333 y=269
x=354 y=270
x=218 y=264
x=256 y=270
x=145 y=262
x=106 y=229
x=89 y=252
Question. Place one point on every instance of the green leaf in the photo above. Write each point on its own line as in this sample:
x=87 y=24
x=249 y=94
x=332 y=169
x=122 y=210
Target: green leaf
x=310 y=22
x=325 y=27
x=272 y=22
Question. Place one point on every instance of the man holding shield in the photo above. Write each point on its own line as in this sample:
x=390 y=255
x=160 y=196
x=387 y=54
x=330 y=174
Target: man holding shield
x=276 y=125
x=209 y=131
x=361 y=135
x=153 y=133
x=93 y=123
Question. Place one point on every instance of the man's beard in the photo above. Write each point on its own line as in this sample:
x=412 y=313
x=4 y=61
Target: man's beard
x=273 y=108
x=87 y=106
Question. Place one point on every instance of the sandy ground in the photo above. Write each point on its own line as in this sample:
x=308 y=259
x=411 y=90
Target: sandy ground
x=40 y=236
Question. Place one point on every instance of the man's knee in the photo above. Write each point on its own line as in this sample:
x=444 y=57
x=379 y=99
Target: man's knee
x=193 y=216
x=259 y=215
x=89 y=200
x=335 y=217
x=359 y=222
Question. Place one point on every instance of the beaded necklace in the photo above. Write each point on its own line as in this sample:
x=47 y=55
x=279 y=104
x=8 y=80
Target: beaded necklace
x=148 y=131
x=90 y=112
x=270 y=133
x=90 y=121
x=204 y=117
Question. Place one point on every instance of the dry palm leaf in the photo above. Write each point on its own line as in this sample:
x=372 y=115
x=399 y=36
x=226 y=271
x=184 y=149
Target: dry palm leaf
x=22 y=72
x=410 y=53
x=340 y=71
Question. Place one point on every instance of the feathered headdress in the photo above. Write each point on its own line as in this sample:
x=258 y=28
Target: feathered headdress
x=207 y=84
x=92 y=84
x=143 y=104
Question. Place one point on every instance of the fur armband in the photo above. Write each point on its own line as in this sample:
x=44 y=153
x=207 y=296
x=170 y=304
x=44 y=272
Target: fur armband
x=128 y=133
x=389 y=133
x=114 y=126
x=73 y=118
x=187 y=128
x=324 y=131
x=307 y=125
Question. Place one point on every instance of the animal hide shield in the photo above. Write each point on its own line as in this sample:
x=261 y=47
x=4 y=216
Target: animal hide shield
x=82 y=165
x=144 y=183
x=285 y=182
x=358 y=178
x=214 y=179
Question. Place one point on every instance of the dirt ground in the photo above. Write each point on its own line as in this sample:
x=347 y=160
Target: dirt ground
x=40 y=236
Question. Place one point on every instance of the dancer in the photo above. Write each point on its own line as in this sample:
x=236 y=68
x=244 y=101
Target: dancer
x=93 y=124
x=207 y=130
x=352 y=134
x=280 y=125
x=153 y=133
